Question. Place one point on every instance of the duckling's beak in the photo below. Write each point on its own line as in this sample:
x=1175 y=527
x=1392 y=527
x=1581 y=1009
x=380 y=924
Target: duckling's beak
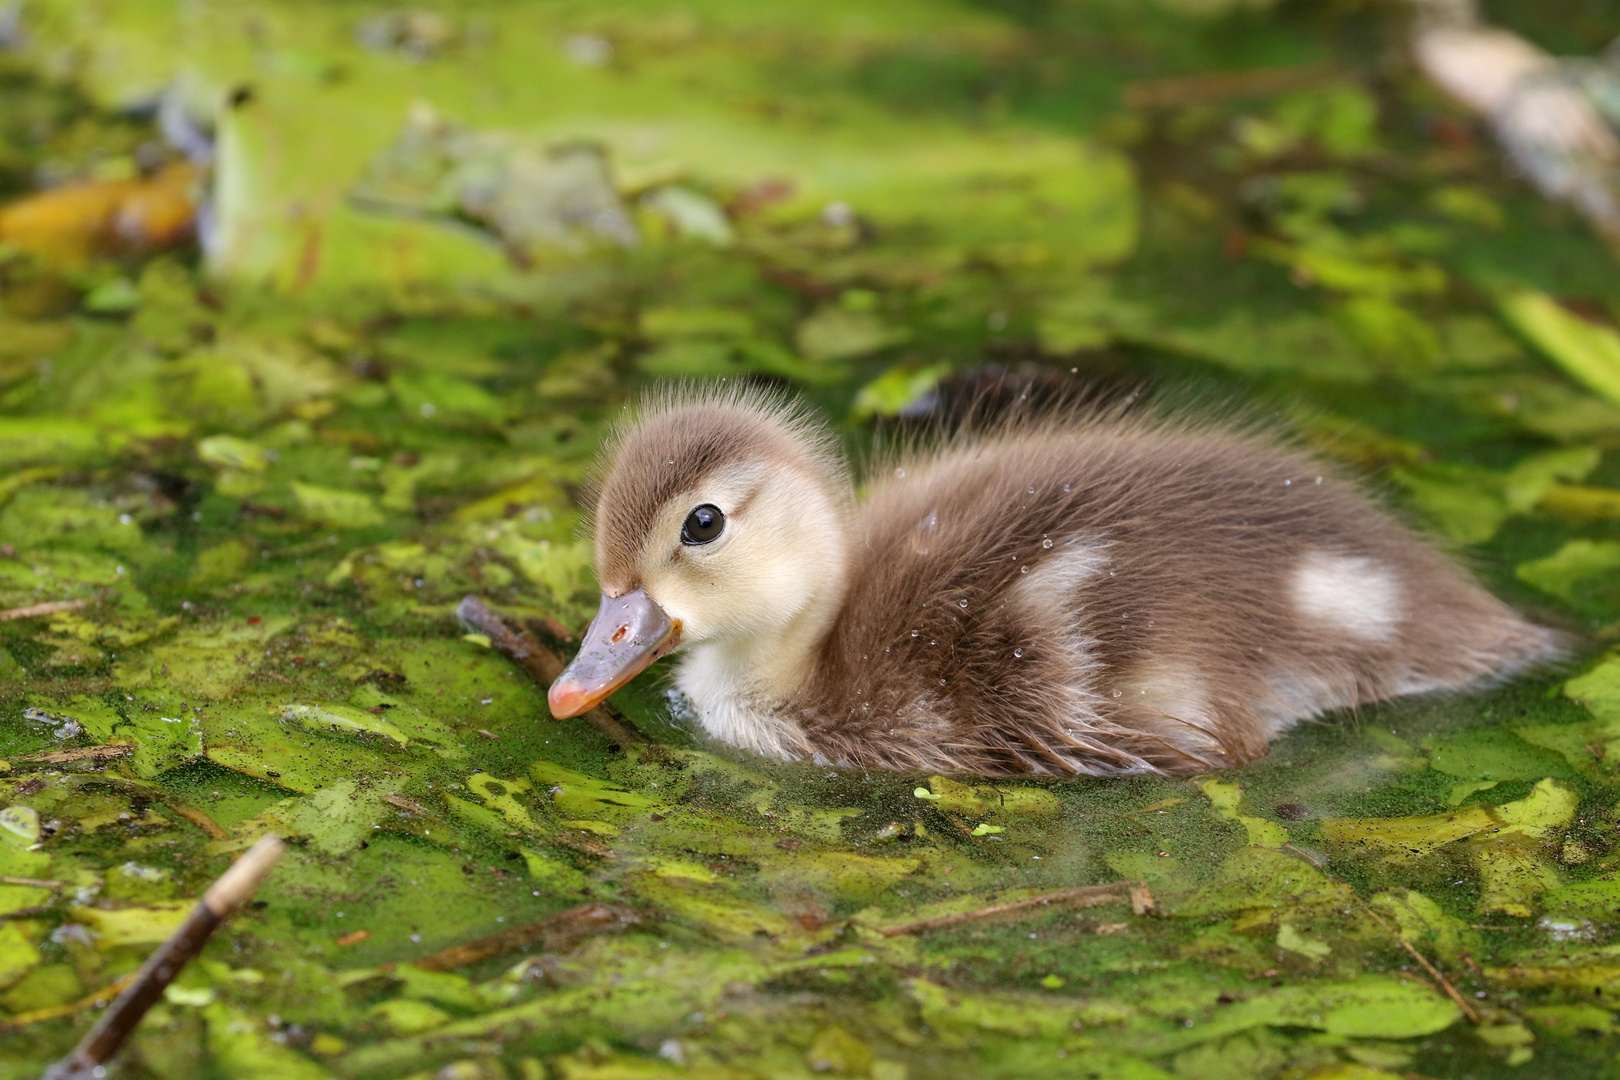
x=628 y=633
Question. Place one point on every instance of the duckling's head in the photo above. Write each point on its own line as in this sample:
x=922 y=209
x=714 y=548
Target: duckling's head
x=720 y=520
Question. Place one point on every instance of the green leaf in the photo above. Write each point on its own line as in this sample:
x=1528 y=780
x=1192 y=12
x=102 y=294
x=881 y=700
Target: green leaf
x=1587 y=351
x=895 y=389
x=836 y=333
x=1257 y=878
x=1565 y=571
x=1000 y=801
x=341 y=718
x=1531 y=479
x=149 y=925
x=1227 y=797
x=430 y=394
x=1291 y=940
x=1599 y=689
x=230 y=452
x=406 y=1017
x=243 y=1048
x=336 y=508
x=17 y=954
x=1404 y=838
x=1460 y=502
x=1490 y=755
x=338 y=818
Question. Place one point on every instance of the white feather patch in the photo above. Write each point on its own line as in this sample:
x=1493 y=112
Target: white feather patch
x=1049 y=597
x=1350 y=593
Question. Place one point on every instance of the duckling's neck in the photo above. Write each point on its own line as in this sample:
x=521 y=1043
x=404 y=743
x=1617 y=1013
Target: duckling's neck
x=742 y=685
x=776 y=664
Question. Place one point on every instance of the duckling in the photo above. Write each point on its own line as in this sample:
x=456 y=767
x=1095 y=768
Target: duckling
x=1099 y=594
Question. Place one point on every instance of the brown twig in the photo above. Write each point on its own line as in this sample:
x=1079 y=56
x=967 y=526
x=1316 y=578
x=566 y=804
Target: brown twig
x=1225 y=85
x=49 y=607
x=554 y=934
x=78 y=753
x=409 y=805
x=538 y=660
x=118 y=1022
x=56 y=1012
x=1142 y=902
x=580 y=842
x=1134 y=892
x=199 y=819
x=1434 y=972
x=32 y=883
x=142 y=789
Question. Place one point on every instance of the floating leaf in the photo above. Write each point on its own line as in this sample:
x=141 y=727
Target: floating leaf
x=150 y=925
x=1564 y=572
x=1291 y=940
x=1489 y=755
x=992 y=800
x=228 y=451
x=1421 y=921
x=1531 y=480
x=1587 y=351
x=338 y=818
x=896 y=389
x=836 y=333
x=1227 y=797
x=17 y=954
x=340 y=509
x=1261 y=879
x=341 y=718
x=1463 y=506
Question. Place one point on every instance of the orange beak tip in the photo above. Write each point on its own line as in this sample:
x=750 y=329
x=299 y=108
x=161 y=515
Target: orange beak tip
x=628 y=633
x=567 y=699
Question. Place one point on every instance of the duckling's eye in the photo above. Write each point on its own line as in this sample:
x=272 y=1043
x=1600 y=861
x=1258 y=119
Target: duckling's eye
x=703 y=524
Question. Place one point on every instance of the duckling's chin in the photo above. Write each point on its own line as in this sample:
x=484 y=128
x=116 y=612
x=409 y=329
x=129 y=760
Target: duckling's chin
x=740 y=684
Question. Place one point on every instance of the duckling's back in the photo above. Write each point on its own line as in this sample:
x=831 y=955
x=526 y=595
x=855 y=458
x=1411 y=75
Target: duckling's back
x=1126 y=596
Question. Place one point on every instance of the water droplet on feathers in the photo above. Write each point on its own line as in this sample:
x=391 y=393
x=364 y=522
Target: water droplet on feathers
x=1065 y=487
x=1018 y=652
x=914 y=633
x=1023 y=569
x=961 y=603
x=1046 y=544
x=899 y=474
x=1032 y=490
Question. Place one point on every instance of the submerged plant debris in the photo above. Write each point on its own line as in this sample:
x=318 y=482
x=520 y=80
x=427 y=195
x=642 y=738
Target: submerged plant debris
x=312 y=316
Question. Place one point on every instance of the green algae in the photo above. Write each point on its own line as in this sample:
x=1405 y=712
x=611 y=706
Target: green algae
x=253 y=481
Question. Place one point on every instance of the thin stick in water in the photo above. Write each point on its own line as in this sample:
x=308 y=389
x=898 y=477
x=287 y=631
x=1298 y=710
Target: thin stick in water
x=118 y=1022
x=539 y=661
x=1450 y=991
x=1135 y=892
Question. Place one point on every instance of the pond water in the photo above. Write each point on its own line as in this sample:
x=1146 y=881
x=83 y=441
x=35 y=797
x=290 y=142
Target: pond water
x=312 y=317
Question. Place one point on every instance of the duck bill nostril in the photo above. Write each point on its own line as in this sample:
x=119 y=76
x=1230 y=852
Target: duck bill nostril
x=628 y=633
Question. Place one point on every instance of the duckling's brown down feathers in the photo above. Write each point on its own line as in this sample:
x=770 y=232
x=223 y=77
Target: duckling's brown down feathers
x=1096 y=595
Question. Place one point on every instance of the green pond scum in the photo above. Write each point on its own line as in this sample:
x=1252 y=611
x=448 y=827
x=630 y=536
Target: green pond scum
x=312 y=316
